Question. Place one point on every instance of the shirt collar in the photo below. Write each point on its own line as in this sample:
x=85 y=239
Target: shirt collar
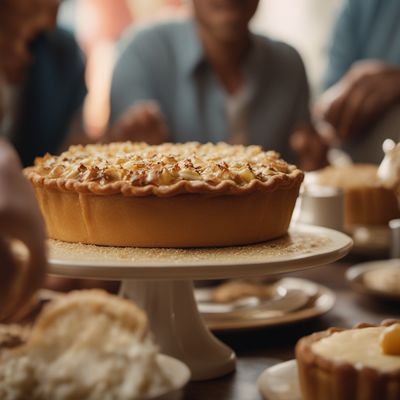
x=192 y=54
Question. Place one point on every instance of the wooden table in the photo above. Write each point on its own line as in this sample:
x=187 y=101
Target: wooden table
x=259 y=349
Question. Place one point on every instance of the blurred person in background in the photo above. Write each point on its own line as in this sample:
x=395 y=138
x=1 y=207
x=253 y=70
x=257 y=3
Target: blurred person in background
x=362 y=98
x=210 y=79
x=42 y=83
x=42 y=77
x=20 y=219
x=42 y=89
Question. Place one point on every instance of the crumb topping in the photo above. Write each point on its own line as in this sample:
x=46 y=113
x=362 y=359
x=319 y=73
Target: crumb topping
x=141 y=164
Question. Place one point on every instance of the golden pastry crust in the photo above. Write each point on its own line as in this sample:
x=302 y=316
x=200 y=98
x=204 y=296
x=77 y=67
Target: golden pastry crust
x=328 y=379
x=137 y=169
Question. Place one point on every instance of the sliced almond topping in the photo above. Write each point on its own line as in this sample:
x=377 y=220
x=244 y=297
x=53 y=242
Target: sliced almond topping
x=141 y=164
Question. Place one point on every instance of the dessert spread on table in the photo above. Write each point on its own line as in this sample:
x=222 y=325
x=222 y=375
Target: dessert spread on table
x=84 y=345
x=171 y=195
x=351 y=364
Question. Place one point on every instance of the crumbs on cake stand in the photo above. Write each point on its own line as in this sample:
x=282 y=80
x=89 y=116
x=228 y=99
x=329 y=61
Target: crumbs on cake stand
x=291 y=244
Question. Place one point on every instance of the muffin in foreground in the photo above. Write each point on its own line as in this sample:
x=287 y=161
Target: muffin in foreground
x=84 y=345
x=171 y=195
x=351 y=364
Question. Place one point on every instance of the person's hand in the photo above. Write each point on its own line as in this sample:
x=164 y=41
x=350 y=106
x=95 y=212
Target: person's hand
x=310 y=148
x=360 y=98
x=20 y=220
x=143 y=122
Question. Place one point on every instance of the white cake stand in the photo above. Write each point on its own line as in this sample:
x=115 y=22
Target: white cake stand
x=161 y=282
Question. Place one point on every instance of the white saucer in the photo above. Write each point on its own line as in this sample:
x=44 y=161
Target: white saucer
x=280 y=382
x=177 y=372
x=320 y=300
x=355 y=276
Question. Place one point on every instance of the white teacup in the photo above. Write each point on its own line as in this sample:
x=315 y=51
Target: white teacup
x=322 y=206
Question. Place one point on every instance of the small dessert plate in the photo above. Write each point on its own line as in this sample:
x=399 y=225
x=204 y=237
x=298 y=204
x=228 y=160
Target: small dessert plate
x=299 y=299
x=281 y=300
x=280 y=382
x=376 y=278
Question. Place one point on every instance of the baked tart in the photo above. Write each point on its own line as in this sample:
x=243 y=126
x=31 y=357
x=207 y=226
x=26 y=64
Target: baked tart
x=366 y=200
x=351 y=364
x=171 y=195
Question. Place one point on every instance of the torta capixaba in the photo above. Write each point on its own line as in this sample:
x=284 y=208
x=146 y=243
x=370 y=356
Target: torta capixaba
x=362 y=363
x=171 y=195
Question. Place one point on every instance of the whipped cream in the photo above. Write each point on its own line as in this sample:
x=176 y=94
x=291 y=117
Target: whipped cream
x=89 y=345
x=389 y=169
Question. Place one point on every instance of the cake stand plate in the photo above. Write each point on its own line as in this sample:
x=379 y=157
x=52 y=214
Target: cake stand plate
x=161 y=282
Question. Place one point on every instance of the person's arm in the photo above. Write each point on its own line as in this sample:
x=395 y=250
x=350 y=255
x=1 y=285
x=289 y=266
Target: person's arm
x=360 y=90
x=21 y=220
x=131 y=78
x=360 y=98
x=309 y=147
x=134 y=112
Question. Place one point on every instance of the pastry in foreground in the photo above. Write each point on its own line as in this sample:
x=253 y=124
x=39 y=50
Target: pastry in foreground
x=171 y=195
x=85 y=345
x=362 y=363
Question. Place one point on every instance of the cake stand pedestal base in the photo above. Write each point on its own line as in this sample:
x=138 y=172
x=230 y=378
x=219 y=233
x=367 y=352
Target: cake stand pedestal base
x=160 y=281
x=178 y=327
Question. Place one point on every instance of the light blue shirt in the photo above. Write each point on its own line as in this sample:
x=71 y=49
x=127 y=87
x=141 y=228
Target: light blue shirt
x=166 y=63
x=364 y=29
